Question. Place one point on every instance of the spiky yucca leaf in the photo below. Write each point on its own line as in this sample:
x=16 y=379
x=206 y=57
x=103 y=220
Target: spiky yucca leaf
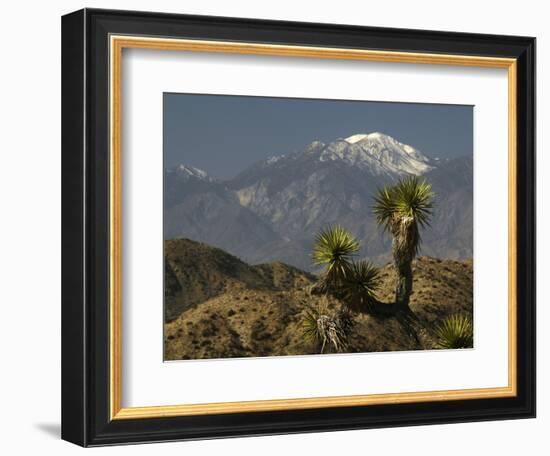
x=385 y=207
x=456 y=331
x=360 y=285
x=411 y=197
x=401 y=209
x=334 y=247
x=414 y=198
x=334 y=244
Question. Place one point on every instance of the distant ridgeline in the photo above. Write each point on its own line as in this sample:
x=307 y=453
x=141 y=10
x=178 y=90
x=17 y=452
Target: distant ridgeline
x=272 y=210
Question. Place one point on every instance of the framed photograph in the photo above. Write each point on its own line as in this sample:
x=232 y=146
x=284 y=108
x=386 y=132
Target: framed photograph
x=277 y=227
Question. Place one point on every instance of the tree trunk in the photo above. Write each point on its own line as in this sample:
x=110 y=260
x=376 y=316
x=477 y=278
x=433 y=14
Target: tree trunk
x=403 y=288
x=405 y=242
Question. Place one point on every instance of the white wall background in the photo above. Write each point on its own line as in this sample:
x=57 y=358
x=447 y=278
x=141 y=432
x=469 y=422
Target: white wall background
x=30 y=230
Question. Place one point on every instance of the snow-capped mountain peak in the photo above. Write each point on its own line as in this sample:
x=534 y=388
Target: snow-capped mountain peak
x=377 y=153
x=374 y=153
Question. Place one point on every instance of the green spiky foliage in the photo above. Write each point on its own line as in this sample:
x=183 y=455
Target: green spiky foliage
x=455 y=331
x=327 y=330
x=334 y=248
x=403 y=209
x=360 y=286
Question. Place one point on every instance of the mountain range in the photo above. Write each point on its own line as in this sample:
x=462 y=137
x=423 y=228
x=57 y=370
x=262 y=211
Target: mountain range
x=273 y=209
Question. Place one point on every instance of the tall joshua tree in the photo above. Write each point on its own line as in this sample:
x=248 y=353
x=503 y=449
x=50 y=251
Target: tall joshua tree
x=403 y=209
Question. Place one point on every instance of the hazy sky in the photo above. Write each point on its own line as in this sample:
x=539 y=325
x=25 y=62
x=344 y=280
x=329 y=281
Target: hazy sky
x=224 y=134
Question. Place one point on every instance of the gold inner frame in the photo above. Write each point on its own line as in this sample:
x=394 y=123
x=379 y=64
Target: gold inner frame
x=117 y=44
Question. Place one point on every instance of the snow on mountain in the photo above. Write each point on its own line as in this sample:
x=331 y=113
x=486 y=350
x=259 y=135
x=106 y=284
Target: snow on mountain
x=375 y=153
x=378 y=153
x=188 y=171
x=356 y=138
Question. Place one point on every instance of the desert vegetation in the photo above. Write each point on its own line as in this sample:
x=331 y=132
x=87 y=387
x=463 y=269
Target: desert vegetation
x=402 y=210
x=454 y=332
x=218 y=306
x=327 y=329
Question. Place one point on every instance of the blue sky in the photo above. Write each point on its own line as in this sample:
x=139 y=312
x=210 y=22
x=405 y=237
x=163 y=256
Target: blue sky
x=224 y=134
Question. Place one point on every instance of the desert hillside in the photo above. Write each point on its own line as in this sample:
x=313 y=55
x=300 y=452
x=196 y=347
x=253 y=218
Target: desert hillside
x=217 y=306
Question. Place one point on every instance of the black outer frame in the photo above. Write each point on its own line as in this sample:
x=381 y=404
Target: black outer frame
x=85 y=227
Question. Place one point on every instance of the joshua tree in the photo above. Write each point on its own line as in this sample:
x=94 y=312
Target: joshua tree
x=354 y=283
x=402 y=209
x=334 y=249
